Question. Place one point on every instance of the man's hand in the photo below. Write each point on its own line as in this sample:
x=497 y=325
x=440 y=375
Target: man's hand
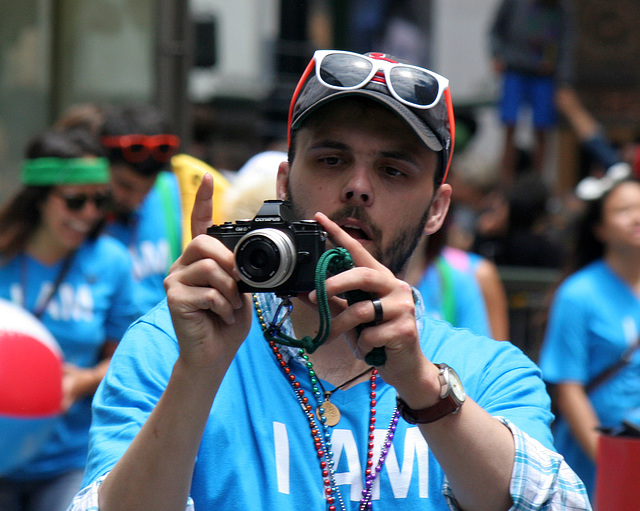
x=210 y=317
x=202 y=207
x=397 y=332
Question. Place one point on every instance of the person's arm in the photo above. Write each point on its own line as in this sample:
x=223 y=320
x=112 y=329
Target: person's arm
x=541 y=479
x=79 y=382
x=475 y=450
x=566 y=357
x=574 y=405
x=495 y=298
x=211 y=320
x=159 y=463
x=476 y=453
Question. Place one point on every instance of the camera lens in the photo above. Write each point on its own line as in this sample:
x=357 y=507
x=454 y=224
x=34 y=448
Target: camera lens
x=259 y=259
x=265 y=258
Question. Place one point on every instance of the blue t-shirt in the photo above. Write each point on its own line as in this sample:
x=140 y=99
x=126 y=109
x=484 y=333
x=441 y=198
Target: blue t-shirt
x=93 y=304
x=595 y=318
x=454 y=295
x=257 y=451
x=151 y=235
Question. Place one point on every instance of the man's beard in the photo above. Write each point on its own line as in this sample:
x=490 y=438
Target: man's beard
x=396 y=255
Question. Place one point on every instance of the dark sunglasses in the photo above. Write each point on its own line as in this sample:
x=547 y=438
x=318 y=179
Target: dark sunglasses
x=77 y=202
x=137 y=148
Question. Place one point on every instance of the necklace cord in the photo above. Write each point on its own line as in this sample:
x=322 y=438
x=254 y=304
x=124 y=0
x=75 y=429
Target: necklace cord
x=329 y=393
x=66 y=265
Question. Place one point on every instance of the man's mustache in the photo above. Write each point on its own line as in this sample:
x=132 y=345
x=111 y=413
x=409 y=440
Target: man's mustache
x=357 y=213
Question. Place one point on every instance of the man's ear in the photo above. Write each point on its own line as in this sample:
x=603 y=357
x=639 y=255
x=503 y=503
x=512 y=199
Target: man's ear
x=282 y=182
x=439 y=208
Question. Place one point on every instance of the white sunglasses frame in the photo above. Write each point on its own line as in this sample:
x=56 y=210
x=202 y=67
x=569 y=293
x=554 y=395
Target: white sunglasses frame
x=386 y=67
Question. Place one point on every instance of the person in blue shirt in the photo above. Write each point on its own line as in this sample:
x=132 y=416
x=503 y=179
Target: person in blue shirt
x=55 y=264
x=449 y=292
x=594 y=324
x=494 y=294
x=216 y=399
x=147 y=214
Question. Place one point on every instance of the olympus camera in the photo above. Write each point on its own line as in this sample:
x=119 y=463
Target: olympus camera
x=274 y=252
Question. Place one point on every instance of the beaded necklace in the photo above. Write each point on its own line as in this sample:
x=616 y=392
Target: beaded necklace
x=321 y=433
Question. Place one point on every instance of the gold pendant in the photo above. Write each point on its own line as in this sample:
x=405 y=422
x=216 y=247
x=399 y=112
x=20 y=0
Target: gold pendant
x=331 y=412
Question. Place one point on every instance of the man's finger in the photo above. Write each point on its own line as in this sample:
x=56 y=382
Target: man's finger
x=360 y=255
x=201 y=214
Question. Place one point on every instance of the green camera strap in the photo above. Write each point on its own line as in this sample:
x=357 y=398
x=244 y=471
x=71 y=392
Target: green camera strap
x=333 y=261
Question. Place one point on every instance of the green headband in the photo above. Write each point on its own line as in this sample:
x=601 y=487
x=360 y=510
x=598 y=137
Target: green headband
x=65 y=171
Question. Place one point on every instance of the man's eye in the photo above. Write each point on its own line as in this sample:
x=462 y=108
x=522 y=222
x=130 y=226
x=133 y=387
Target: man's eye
x=393 y=172
x=331 y=160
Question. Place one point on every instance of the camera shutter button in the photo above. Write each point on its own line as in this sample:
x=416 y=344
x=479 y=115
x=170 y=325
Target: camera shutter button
x=304 y=257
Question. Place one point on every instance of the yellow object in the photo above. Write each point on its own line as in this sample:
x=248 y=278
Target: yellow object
x=189 y=171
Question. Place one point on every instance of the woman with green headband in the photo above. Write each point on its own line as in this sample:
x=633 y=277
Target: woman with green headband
x=55 y=263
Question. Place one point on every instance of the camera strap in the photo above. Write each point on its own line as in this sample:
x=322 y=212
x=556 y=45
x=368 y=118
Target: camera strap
x=333 y=261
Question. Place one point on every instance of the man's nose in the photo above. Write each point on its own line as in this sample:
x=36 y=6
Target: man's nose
x=359 y=187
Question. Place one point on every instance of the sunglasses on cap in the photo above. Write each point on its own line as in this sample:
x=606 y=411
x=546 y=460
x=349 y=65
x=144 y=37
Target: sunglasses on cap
x=414 y=86
x=137 y=148
x=425 y=93
x=77 y=202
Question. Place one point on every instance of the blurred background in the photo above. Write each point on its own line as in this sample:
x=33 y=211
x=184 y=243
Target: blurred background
x=223 y=72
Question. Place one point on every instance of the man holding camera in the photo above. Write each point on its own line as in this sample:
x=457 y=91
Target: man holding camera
x=210 y=403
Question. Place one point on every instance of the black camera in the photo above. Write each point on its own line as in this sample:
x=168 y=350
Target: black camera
x=274 y=252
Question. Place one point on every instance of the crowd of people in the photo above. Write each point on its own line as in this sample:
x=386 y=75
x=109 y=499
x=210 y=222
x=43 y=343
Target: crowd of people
x=180 y=392
x=85 y=246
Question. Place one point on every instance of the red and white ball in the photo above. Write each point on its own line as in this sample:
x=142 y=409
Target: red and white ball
x=30 y=385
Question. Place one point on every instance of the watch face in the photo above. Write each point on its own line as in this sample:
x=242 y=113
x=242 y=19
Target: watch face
x=452 y=397
x=455 y=385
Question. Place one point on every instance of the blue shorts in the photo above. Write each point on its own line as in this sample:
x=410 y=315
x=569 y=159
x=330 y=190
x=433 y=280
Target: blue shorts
x=536 y=91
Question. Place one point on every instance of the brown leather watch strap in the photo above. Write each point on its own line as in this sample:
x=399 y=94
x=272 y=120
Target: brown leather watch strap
x=452 y=397
x=429 y=414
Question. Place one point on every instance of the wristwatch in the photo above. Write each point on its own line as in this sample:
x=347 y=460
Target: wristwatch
x=452 y=396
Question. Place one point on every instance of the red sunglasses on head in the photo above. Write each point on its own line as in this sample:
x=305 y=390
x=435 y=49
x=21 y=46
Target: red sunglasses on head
x=137 y=148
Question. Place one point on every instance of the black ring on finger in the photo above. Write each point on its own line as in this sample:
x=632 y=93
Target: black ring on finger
x=377 y=307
